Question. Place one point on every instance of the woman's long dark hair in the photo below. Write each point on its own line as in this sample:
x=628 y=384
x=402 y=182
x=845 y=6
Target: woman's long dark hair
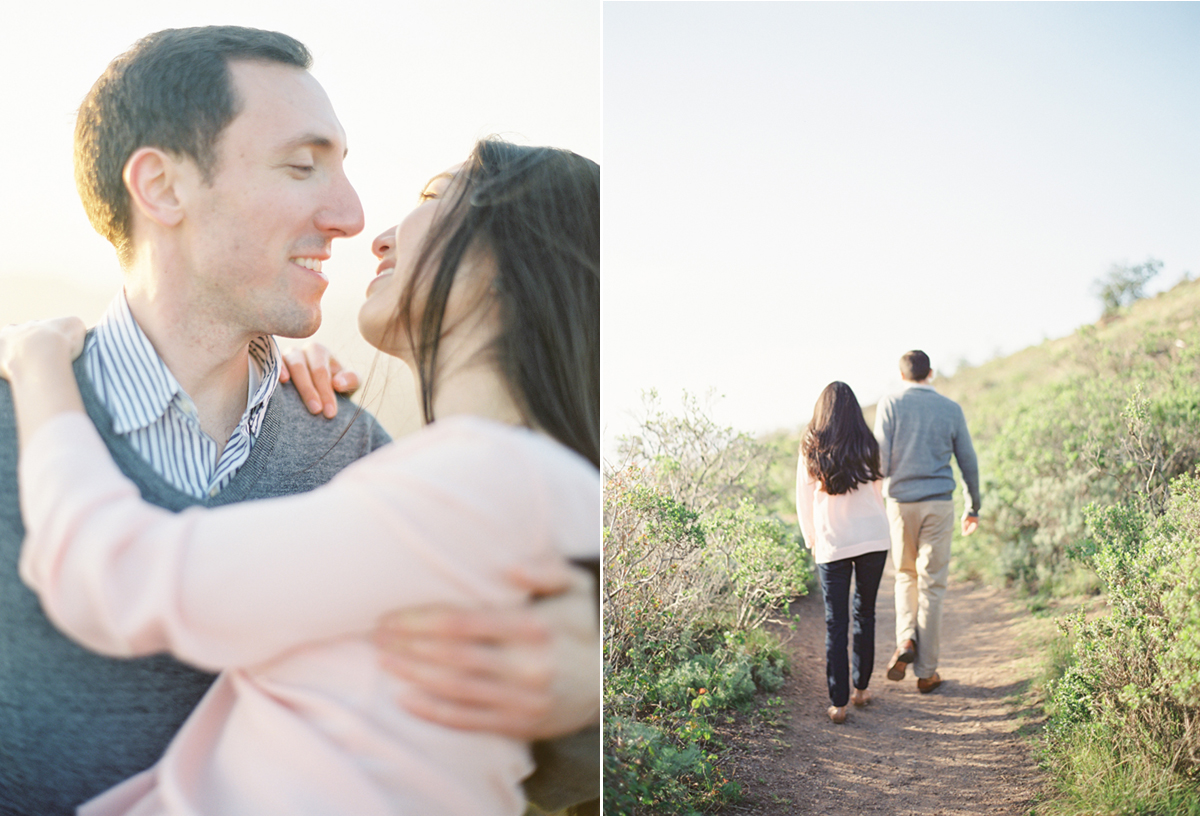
x=839 y=449
x=536 y=210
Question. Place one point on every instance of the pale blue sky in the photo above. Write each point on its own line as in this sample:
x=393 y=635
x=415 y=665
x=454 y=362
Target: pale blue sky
x=799 y=192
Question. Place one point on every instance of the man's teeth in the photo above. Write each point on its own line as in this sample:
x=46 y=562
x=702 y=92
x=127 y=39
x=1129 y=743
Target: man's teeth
x=309 y=263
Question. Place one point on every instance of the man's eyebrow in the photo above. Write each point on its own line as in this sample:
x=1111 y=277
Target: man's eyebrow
x=311 y=140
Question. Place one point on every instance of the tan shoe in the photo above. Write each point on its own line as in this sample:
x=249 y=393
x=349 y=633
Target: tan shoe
x=860 y=697
x=837 y=714
x=906 y=654
x=928 y=684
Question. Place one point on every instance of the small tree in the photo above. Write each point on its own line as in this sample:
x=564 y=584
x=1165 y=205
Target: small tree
x=698 y=462
x=1125 y=284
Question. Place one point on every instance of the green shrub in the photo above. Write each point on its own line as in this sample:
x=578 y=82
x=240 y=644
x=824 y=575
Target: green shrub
x=660 y=752
x=1088 y=449
x=1115 y=433
x=693 y=564
x=646 y=773
x=1124 y=731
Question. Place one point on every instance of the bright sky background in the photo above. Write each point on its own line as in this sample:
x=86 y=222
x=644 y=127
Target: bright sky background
x=414 y=83
x=796 y=193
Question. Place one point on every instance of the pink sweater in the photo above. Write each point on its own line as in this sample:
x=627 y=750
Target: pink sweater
x=841 y=526
x=281 y=595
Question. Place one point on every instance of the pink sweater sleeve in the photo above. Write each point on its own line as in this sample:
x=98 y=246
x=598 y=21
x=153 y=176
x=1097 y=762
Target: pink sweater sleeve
x=436 y=517
x=806 y=486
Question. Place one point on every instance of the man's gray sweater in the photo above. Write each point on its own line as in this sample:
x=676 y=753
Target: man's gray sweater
x=918 y=429
x=73 y=723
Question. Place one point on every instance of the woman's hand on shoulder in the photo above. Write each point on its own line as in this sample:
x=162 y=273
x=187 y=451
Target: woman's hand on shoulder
x=36 y=359
x=38 y=342
x=318 y=377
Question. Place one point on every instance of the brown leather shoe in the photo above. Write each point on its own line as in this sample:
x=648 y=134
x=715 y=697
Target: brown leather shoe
x=906 y=654
x=928 y=684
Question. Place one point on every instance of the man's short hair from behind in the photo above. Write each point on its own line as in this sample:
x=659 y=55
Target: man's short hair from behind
x=914 y=366
x=172 y=90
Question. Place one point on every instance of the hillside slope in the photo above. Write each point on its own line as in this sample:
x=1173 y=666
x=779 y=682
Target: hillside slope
x=1154 y=327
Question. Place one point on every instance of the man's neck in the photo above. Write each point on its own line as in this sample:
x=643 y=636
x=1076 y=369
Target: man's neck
x=210 y=361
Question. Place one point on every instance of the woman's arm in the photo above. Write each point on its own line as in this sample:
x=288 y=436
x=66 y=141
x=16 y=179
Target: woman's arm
x=805 y=486
x=36 y=359
x=434 y=519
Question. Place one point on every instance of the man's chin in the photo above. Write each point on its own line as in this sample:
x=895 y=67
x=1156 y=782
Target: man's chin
x=296 y=327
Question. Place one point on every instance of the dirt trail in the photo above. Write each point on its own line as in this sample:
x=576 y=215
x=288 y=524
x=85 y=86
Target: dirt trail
x=955 y=752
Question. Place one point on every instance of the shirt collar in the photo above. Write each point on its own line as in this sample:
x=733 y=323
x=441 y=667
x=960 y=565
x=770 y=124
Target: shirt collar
x=139 y=388
x=264 y=377
x=137 y=385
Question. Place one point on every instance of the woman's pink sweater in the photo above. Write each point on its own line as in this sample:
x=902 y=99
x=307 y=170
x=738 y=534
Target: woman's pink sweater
x=841 y=526
x=280 y=595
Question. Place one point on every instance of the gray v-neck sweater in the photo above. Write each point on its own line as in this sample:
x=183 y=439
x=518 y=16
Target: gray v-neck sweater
x=73 y=723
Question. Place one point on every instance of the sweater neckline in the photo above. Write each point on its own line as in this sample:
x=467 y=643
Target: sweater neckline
x=151 y=484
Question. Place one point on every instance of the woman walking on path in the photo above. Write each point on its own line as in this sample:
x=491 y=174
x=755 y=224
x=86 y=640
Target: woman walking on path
x=839 y=496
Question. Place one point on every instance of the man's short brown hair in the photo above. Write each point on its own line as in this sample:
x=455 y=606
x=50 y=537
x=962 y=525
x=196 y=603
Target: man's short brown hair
x=172 y=90
x=914 y=366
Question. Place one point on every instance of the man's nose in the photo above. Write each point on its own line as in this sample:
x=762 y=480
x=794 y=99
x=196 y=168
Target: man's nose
x=343 y=215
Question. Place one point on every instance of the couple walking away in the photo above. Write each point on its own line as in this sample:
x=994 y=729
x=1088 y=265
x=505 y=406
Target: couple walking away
x=212 y=160
x=845 y=472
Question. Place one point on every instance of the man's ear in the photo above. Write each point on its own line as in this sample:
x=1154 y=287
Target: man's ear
x=151 y=176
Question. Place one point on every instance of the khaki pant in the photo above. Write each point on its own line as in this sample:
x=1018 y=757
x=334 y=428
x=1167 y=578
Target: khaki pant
x=921 y=536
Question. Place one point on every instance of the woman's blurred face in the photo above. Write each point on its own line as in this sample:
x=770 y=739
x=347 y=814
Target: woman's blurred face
x=397 y=249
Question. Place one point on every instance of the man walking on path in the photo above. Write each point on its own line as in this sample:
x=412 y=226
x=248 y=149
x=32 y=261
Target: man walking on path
x=918 y=429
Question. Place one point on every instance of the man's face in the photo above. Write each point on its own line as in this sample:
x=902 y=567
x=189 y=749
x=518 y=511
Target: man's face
x=255 y=238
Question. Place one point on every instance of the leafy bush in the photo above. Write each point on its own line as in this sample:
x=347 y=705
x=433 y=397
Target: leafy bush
x=1116 y=431
x=1124 y=731
x=693 y=564
x=654 y=574
x=660 y=754
x=757 y=562
x=697 y=462
x=1088 y=447
x=645 y=772
x=684 y=537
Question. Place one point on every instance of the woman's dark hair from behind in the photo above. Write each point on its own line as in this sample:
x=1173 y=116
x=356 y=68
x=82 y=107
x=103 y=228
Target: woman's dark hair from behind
x=839 y=449
x=537 y=211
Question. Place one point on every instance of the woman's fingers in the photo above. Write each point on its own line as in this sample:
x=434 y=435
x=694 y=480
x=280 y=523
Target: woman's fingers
x=317 y=375
x=531 y=672
x=61 y=335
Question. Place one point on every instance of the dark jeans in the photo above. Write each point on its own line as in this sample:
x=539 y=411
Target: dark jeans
x=867 y=570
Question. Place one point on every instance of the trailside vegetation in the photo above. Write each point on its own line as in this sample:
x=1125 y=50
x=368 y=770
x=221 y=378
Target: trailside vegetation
x=1124 y=728
x=1089 y=447
x=694 y=563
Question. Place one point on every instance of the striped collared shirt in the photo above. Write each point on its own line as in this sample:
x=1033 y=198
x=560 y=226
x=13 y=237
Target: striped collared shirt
x=158 y=418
